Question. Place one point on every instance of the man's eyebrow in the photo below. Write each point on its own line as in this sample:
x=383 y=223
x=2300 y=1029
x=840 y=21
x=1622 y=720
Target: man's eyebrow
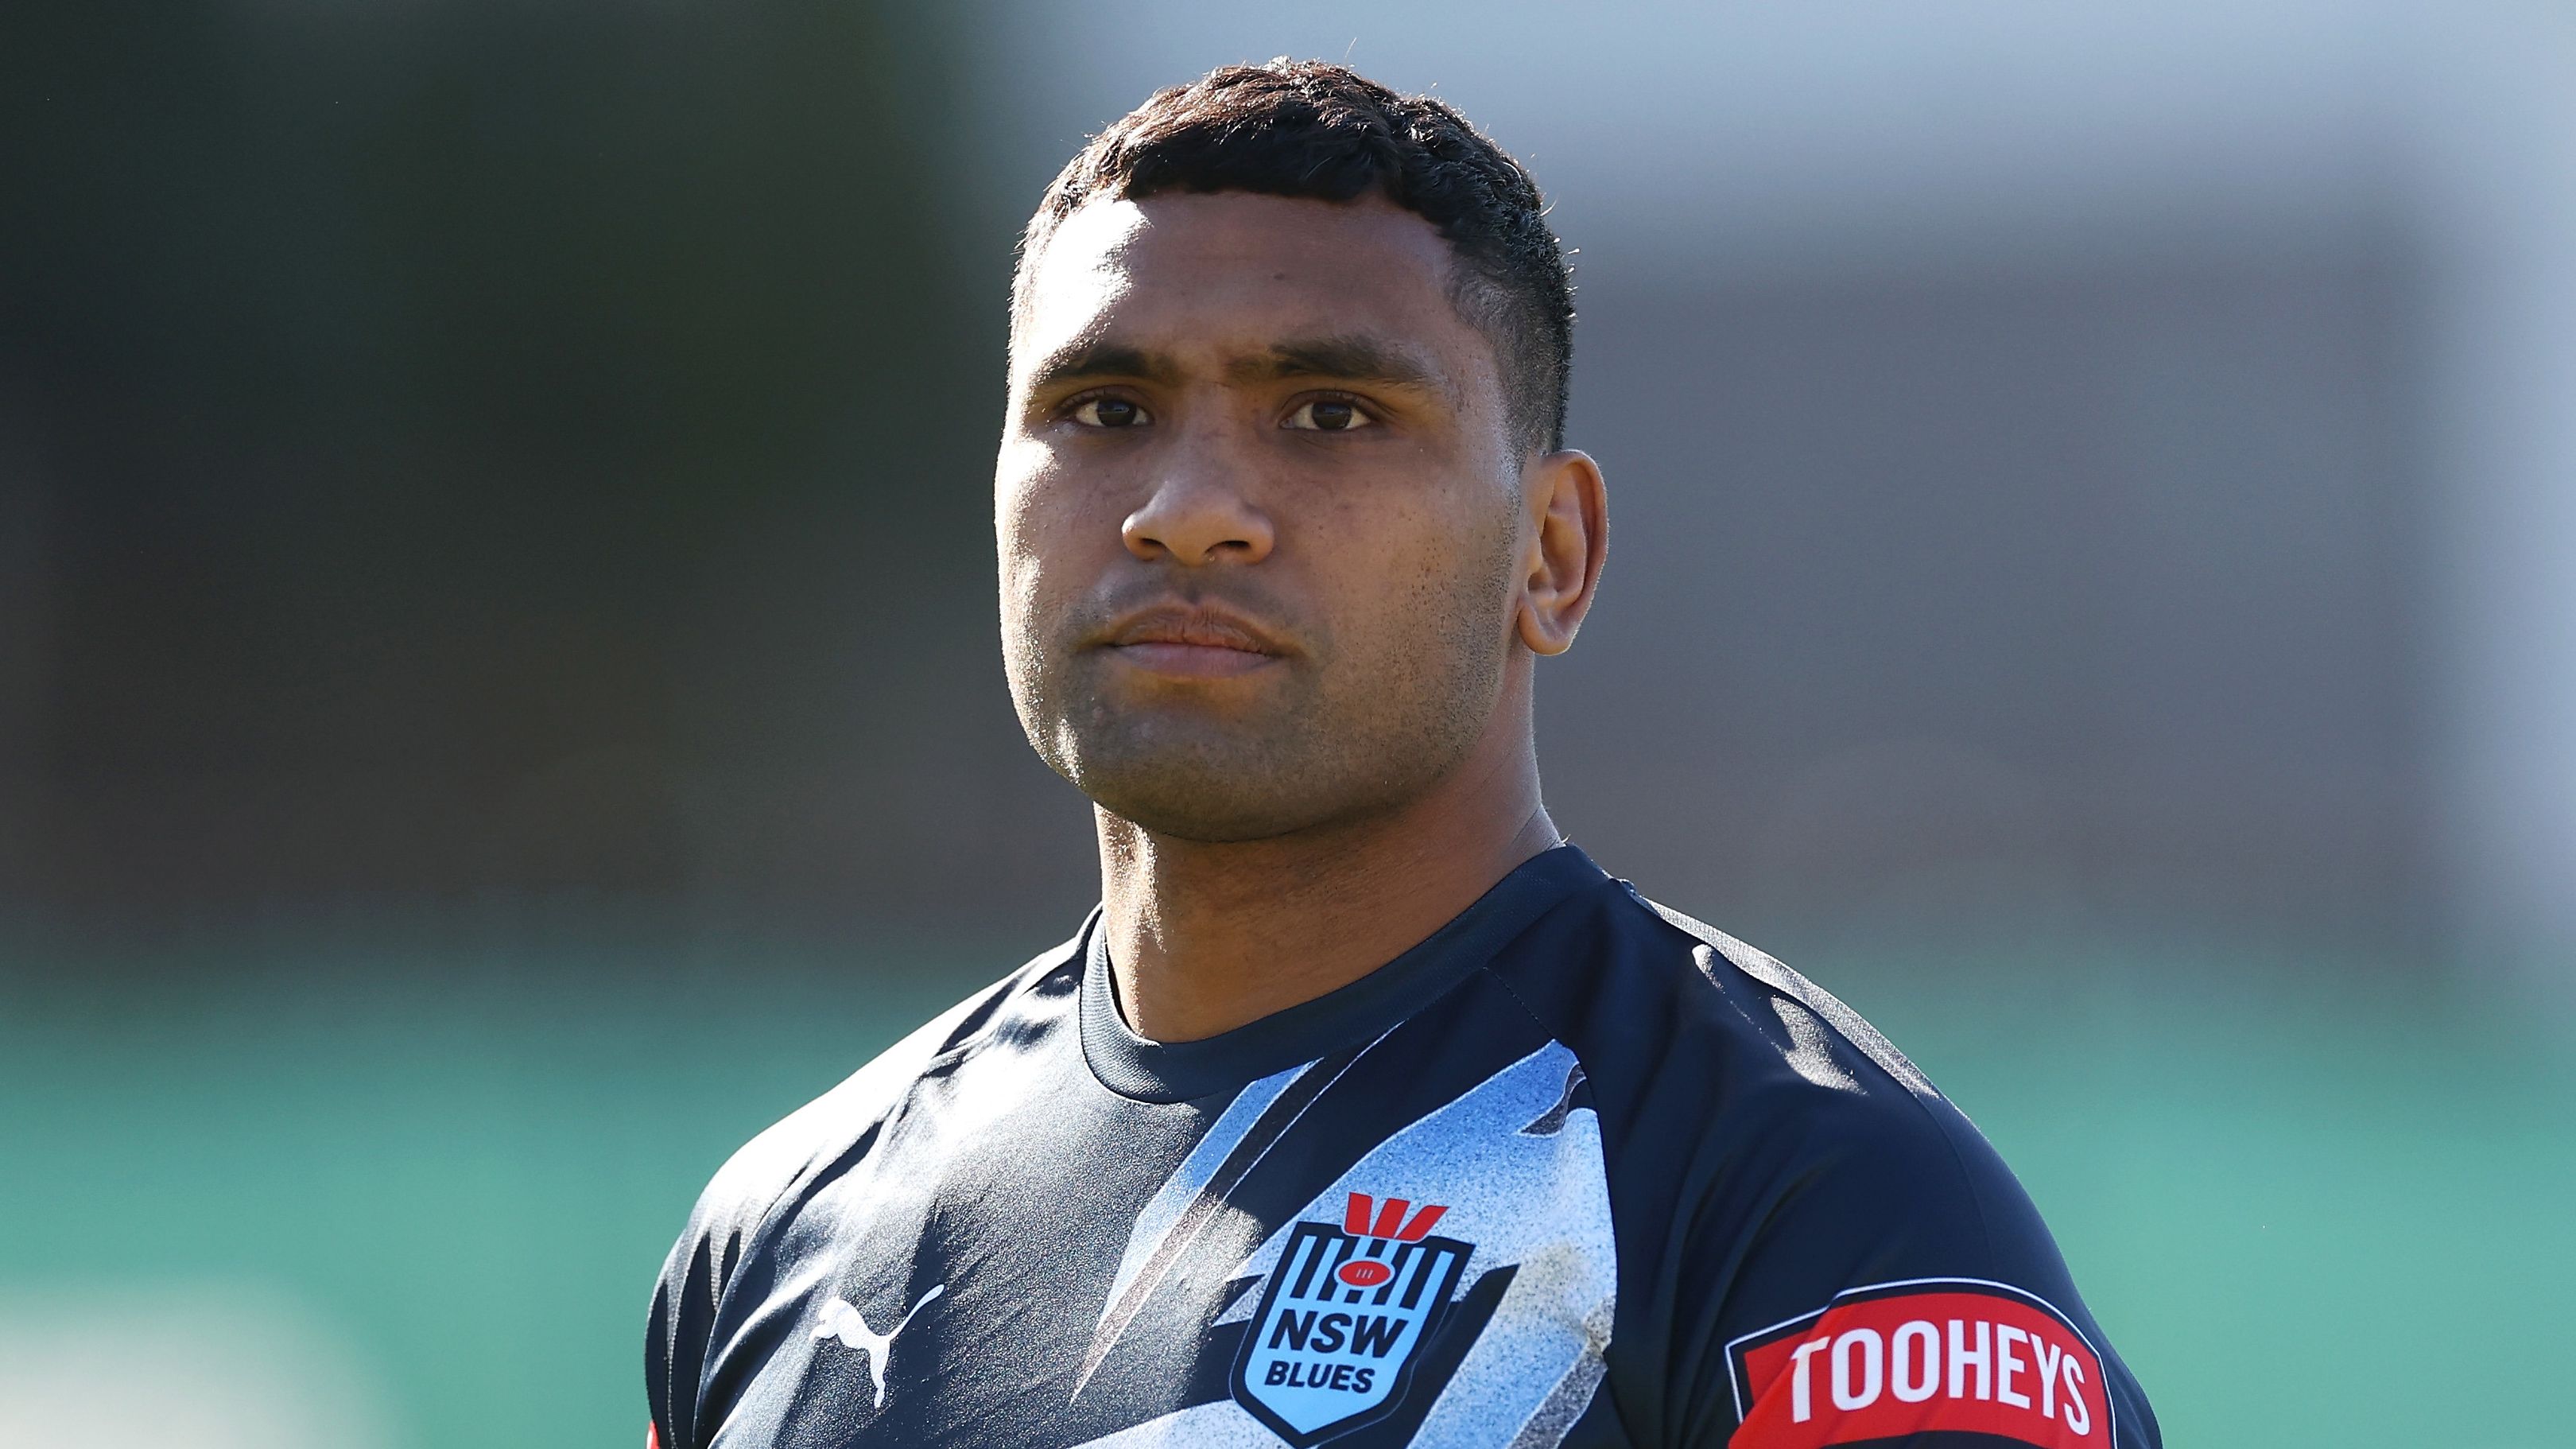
x=1354 y=359
x=1083 y=361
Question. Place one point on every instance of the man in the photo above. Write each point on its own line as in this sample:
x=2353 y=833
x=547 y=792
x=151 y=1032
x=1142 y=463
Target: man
x=1364 y=1110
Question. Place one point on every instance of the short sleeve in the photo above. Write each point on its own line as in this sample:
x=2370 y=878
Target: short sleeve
x=680 y=1333
x=1899 y=1290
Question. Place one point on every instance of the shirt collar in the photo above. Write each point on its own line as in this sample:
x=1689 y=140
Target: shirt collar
x=1152 y=1071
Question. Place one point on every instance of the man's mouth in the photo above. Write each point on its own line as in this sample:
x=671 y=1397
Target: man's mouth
x=1191 y=642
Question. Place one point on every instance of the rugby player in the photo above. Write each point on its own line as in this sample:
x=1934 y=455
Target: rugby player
x=1363 y=1110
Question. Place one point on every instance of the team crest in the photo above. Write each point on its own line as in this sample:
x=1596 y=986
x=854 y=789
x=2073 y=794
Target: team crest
x=1342 y=1317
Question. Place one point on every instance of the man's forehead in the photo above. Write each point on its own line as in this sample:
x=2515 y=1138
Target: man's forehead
x=1231 y=272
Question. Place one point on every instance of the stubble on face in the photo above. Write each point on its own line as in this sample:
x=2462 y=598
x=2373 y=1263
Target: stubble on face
x=1361 y=719
x=1385 y=602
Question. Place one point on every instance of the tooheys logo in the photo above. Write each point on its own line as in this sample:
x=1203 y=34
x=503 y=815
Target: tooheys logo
x=1919 y=1357
x=1342 y=1316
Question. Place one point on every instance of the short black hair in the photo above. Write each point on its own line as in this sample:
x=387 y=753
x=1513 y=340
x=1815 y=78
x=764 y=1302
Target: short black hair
x=1308 y=128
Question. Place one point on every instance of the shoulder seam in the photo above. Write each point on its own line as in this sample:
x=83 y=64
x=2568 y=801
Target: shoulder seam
x=1505 y=982
x=1527 y=1010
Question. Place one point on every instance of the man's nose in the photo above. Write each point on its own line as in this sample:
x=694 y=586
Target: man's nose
x=1198 y=515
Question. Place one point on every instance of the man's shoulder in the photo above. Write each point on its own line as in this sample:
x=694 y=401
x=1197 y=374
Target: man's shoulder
x=1736 y=1092
x=1822 y=1041
x=1655 y=989
x=1808 y=1156
x=768 y=1168
x=1719 y=1069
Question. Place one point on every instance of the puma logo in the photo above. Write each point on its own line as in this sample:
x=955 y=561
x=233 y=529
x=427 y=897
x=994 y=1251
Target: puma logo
x=843 y=1322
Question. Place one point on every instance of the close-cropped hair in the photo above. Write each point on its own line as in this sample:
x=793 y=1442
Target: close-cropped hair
x=1317 y=130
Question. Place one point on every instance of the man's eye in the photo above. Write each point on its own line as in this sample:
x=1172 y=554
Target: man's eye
x=1109 y=412
x=1328 y=415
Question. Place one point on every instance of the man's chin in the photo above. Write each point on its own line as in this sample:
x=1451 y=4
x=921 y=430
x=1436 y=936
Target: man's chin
x=1205 y=816
x=1215 y=799
x=1234 y=777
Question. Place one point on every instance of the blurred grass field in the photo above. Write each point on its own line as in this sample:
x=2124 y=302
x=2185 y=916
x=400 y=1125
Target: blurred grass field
x=2319 y=1214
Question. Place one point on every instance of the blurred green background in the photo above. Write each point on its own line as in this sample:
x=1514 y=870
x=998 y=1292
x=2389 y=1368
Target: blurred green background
x=498 y=698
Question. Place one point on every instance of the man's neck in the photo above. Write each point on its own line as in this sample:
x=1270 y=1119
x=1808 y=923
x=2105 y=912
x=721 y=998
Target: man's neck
x=1205 y=937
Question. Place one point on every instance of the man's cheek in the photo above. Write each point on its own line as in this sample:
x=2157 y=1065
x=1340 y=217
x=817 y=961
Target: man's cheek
x=1046 y=558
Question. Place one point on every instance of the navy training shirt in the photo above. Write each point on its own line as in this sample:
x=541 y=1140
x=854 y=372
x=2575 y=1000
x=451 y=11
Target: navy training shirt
x=1576 y=1171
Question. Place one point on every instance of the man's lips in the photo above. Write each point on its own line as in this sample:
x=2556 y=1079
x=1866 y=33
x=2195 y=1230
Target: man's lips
x=1199 y=643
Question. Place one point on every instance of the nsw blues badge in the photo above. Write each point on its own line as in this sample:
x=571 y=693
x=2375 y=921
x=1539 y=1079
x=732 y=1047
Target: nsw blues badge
x=1342 y=1317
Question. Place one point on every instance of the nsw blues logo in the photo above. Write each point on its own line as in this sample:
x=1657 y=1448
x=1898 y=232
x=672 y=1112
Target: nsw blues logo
x=1342 y=1316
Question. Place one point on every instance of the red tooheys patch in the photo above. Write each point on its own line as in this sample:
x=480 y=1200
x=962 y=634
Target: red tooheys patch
x=1930 y=1355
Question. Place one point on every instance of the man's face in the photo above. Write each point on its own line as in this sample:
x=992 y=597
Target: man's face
x=1259 y=512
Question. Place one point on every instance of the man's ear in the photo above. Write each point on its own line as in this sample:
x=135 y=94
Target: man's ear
x=1566 y=551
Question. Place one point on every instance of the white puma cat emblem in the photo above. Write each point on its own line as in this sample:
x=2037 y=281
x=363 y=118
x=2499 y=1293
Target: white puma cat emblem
x=843 y=1322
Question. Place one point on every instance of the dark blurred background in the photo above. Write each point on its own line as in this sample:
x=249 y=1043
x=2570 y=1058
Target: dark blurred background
x=473 y=450
x=498 y=696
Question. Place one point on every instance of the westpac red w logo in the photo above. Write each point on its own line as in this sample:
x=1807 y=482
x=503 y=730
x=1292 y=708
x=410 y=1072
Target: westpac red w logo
x=1344 y=1312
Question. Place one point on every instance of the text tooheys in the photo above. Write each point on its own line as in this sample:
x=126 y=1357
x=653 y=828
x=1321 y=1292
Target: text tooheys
x=1952 y=1359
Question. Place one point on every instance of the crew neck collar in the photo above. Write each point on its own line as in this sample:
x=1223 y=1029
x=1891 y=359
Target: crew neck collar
x=1152 y=1071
